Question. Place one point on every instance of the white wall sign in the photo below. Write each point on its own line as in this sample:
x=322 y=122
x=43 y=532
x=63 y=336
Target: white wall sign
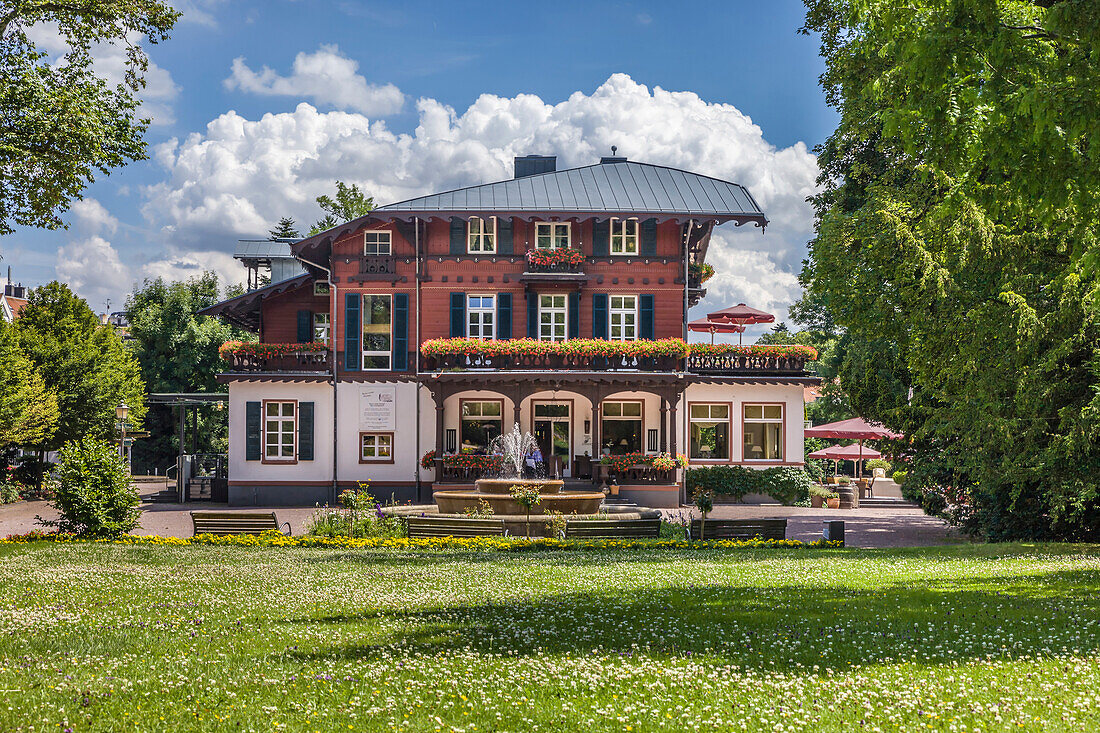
x=378 y=409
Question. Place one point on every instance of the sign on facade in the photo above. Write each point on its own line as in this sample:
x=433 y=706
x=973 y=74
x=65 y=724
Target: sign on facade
x=378 y=409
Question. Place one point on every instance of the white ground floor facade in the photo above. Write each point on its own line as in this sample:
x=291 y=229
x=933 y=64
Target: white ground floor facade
x=295 y=441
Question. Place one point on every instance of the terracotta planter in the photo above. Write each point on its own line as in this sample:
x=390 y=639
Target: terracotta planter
x=817 y=501
x=834 y=503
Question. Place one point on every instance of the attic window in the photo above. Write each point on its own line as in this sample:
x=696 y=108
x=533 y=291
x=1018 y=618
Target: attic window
x=376 y=242
x=481 y=235
x=624 y=236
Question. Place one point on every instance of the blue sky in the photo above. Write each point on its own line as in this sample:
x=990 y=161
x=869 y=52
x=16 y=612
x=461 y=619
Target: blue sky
x=409 y=97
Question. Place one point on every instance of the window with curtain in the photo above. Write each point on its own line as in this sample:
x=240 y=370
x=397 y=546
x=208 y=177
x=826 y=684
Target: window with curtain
x=763 y=425
x=710 y=431
x=481 y=235
x=624 y=236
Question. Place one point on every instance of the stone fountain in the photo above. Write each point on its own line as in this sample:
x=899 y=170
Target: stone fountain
x=514 y=448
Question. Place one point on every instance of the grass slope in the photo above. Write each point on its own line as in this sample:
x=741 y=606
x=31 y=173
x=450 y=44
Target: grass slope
x=120 y=638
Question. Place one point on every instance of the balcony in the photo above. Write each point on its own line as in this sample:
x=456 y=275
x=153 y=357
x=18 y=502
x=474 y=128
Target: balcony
x=737 y=364
x=375 y=268
x=565 y=264
x=258 y=358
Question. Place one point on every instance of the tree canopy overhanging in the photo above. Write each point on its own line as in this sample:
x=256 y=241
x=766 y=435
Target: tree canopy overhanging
x=956 y=248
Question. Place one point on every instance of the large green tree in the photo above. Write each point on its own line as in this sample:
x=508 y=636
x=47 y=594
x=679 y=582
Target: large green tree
x=178 y=352
x=348 y=203
x=83 y=362
x=956 y=247
x=28 y=410
x=63 y=122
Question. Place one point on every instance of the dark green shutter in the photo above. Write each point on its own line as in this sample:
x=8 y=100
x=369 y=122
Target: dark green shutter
x=645 y=316
x=599 y=316
x=504 y=236
x=573 y=327
x=353 y=358
x=601 y=238
x=532 y=315
x=305 y=327
x=649 y=238
x=458 y=236
x=458 y=315
x=305 y=431
x=504 y=316
x=400 y=332
x=252 y=422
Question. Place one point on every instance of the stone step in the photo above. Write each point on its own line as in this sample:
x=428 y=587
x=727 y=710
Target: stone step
x=889 y=502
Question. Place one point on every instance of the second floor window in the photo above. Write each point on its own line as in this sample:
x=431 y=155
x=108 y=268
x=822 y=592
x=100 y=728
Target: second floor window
x=624 y=236
x=552 y=317
x=322 y=328
x=481 y=235
x=280 y=431
x=377 y=242
x=377 y=339
x=624 y=318
x=551 y=235
x=481 y=317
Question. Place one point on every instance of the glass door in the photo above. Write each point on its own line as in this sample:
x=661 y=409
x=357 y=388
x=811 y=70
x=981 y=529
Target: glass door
x=553 y=434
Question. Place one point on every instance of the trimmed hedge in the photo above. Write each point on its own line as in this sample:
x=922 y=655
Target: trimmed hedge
x=785 y=484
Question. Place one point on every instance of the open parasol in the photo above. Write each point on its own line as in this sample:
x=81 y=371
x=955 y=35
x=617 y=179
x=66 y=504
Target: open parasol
x=704 y=325
x=741 y=315
x=855 y=428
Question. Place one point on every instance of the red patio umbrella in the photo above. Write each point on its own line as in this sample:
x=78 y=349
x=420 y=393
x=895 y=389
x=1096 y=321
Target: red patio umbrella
x=854 y=452
x=712 y=327
x=855 y=428
x=742 y=315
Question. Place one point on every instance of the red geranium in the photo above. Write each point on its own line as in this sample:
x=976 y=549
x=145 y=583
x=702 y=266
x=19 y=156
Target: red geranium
x=267 y=351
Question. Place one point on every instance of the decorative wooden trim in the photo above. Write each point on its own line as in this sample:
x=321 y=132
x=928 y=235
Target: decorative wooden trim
x=729 y=437
x=263 y=435
x=375 y=461
x=782 y=436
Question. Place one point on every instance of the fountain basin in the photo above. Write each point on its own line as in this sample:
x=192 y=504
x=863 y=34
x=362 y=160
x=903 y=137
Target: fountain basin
x=504 y=485
x=569 y=502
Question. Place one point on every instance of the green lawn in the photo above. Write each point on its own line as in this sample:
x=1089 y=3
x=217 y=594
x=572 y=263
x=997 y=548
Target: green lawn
x=101 y=637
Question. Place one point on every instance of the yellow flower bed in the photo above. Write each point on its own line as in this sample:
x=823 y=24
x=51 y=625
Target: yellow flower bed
x=492 y=544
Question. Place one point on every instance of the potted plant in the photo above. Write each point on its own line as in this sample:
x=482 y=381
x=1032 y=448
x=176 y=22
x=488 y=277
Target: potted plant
x=833 y=502
x=819 y=495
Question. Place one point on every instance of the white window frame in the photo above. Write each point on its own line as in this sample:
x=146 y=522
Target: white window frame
x=379 y=442
x=553 y=311
x=710 y=418
x=481 y=241
x=627 y=331
x=322 y=328
x=363 y=334
x=554 y=227
x=379 y=236
x=781 y=421
x=283 y=421
x=624 y=243
x=481 y=311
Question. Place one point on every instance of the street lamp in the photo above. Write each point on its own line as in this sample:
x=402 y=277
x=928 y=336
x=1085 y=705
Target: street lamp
x=121 y=412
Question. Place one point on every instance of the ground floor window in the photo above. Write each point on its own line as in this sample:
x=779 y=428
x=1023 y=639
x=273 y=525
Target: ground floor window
x=481 y=421
x=763 y=428
x=280 y=431
x=621 y=428
x=710 y=431
x=552 y=317
x=377 y=315
x=376 y=447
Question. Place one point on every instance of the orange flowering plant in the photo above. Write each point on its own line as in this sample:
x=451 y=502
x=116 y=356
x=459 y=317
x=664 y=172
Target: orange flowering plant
x=672 y=347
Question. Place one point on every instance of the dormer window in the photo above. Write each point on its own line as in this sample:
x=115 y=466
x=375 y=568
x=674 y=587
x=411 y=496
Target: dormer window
x=481 y=235
x=624 y=236
x=377 y=242
x=552 y=235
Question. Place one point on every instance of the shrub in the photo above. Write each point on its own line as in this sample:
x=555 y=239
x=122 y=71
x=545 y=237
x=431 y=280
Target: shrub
x=879 y=463
x=31 y=472
x=899 y=477
x=93 y=492
x=360 y=515
x=10 y=492
x=785 y=484
x=823 y=492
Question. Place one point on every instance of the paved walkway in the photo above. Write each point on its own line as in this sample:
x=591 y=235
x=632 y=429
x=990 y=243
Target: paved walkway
x=891 y=527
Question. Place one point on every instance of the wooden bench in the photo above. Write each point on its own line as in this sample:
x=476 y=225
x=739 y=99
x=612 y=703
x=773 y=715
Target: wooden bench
x=741 y=529
x=223 y=523
x=452 y=527
x=587 y=528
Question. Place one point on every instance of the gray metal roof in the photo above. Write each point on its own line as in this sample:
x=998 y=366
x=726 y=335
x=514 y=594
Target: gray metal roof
x=612 y=186
x=262 y=249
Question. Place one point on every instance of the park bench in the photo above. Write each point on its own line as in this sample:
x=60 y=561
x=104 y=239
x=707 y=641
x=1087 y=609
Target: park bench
x=453 y=527
x=224 y=523
x=589 y=528
x=741 y=529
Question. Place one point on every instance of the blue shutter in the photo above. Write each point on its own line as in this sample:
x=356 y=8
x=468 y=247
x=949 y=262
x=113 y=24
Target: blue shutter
x=400 y=356
x=649 y=238
x=504 y=235
x=601 y=238
x=532 y=315
x=252 y=422
x=305 y=431
x=353 y=357
x=573 y=327
x=458 y=315
x=645 y=316
x=305 y=327
x=504 y=316
x=458 y=236
x=599 y=316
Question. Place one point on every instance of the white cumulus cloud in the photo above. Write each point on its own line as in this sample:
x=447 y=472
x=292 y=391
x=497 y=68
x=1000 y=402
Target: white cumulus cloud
x=92 y=268
x=325 y=76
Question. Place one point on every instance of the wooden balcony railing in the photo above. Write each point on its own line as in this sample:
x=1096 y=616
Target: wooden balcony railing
x=737 y=364
x=376 y=267
x=551 y=362
x=300 y=361
x=560 y=268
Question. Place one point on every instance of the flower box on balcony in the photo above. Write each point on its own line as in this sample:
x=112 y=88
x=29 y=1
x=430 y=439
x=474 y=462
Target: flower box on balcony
x=575 y=354
x=259 y=357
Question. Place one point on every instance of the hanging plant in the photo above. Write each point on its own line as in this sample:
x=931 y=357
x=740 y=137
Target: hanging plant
x=701 y=271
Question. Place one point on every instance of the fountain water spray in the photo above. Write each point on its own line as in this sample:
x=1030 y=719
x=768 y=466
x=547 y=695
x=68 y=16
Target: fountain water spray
x=513 y=447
